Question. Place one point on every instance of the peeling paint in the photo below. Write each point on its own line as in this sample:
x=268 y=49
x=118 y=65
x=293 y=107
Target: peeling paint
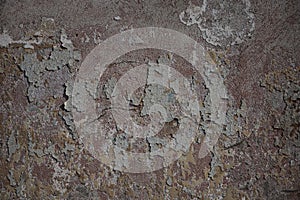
x=221 y=23
x=257 y=154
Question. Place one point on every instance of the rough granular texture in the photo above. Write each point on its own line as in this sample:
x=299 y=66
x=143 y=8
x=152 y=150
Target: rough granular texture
x=255 y=47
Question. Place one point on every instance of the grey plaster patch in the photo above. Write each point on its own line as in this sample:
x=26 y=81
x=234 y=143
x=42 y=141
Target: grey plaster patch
x=12 y=144
x=5 y=39
x=156 y=143
x=21 y=186
x=66 y=114
x=49 y=68
x=38 y=71
x=69 y=121
x=156 y=94
x=215 y=162
x=222 y=23
x=109 y=87
x=121 y=140
x=11 y=178
x=169 y=181
x=68 y=93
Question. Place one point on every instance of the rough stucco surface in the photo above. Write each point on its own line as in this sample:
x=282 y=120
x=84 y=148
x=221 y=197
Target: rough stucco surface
x=255 y=46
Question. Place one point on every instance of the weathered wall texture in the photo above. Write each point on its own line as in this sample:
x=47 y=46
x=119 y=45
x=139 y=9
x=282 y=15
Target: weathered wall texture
x=255 y=46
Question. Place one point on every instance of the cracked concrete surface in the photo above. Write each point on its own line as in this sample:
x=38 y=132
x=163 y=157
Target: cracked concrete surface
x=255 y=47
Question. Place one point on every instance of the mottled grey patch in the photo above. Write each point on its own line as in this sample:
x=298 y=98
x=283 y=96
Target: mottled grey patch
x=222 y=23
